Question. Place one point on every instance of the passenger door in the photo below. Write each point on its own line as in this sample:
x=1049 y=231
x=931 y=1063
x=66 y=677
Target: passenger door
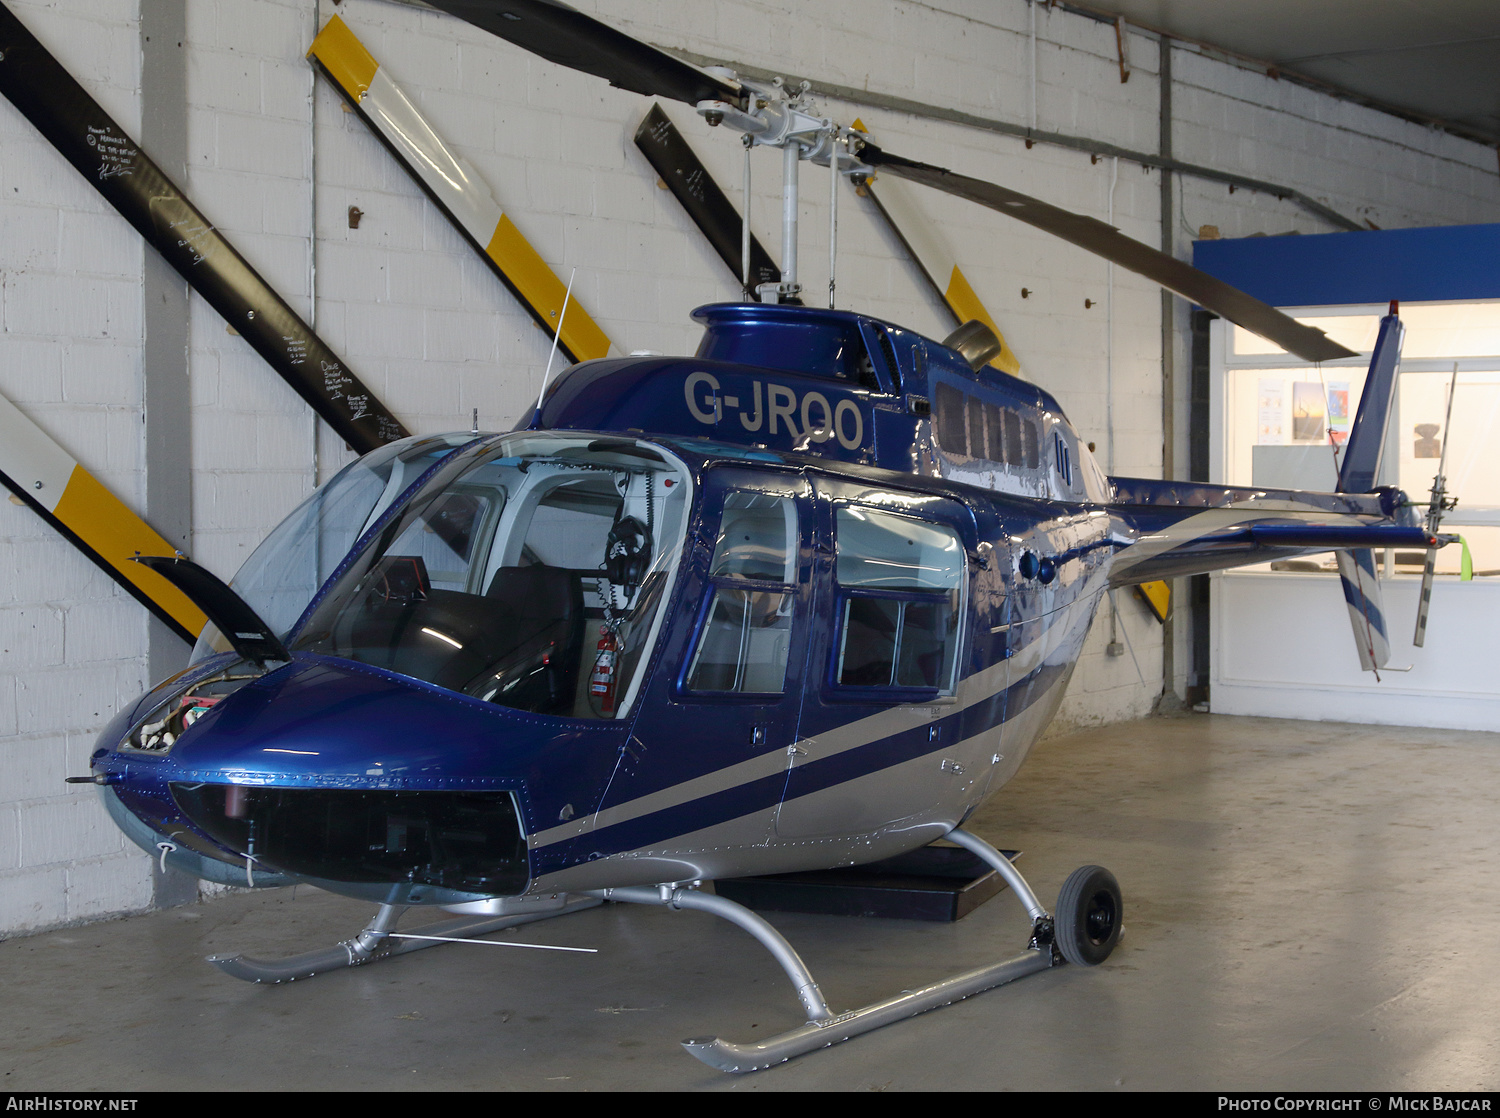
x=886 y=655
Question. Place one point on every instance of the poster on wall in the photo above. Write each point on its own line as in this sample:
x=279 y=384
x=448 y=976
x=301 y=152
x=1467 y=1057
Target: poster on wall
x=1338 y=412
x=1271 y=405
x=1309 y=415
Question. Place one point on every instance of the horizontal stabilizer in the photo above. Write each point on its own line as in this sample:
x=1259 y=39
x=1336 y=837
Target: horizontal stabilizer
x=1333 y=536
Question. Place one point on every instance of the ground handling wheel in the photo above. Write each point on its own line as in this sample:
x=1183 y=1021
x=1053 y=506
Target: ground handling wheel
x=1089 y=916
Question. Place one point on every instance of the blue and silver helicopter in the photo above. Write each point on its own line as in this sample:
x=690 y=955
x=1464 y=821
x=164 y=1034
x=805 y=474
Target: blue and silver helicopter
x=803 y=599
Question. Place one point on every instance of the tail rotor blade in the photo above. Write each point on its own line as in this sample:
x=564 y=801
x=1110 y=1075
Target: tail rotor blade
x=1424 y=602
x=1105 y=240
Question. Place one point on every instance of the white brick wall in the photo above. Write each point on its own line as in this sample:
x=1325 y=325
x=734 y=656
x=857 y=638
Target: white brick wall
x=72 y=645
x=403 y=299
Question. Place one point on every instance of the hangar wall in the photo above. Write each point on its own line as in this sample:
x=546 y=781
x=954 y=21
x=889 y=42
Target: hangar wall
x=276 y=163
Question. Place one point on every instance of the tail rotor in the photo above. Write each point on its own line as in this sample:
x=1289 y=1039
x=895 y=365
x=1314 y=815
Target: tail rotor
x=1437 y=504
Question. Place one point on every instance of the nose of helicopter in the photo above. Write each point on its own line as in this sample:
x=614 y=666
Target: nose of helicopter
x=335 y=772
x=336 y=724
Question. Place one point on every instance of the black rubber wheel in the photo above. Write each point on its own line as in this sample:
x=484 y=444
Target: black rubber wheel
x=1090 y=912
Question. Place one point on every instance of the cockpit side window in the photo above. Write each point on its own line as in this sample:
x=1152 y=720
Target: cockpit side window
x=444 y=537
x=900 y=584
x=746 y=639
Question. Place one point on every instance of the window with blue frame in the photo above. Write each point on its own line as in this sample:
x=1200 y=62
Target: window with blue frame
x=900 y=582
x=744 y=644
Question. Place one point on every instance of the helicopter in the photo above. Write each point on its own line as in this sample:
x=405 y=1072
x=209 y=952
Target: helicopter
x=802 y=599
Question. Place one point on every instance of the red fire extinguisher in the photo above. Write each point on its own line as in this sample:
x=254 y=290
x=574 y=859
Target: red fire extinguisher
x=602 y=681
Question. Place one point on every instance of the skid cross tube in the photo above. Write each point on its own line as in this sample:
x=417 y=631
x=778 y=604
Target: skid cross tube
x=823 y=1027
x=375 y=943
x=770 y=938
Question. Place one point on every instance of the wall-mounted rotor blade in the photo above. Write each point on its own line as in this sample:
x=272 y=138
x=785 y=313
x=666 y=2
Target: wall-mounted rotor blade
x=47 y=478
x=934 y=258
x=569 y=38
x=113 y=163
x=1105 y=240
x=456 y=189
x=937 y=265
x=705 y=202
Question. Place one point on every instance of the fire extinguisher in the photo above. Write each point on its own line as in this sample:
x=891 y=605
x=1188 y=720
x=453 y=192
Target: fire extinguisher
x=602 y=681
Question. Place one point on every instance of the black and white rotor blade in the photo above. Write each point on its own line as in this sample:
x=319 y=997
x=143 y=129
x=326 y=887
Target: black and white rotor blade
x=702 y=197
x=1105 y=240
x=114 y=164
x=569 y=38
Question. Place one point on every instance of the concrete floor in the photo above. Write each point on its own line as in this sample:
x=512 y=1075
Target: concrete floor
x=1309 y=906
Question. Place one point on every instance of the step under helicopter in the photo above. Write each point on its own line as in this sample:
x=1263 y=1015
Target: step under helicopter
x=803 y=599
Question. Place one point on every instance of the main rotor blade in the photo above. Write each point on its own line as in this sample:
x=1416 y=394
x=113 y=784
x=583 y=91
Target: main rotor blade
x=1089 y=233
x=569 y=38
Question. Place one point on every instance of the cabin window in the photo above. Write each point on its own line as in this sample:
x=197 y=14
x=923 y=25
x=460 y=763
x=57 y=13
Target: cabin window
x=899 y=581
x=748 y=633
x=950 y=419
x=443 y=538
x=1030 y=444
x=994 y=431
x=283 y=574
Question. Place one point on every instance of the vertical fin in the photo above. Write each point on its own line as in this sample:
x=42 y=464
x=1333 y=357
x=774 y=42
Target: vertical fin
x=1366 y=607
x=1358 y=474
x=1367 y=437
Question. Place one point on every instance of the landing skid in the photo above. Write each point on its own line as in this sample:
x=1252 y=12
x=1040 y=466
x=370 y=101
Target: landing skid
x=824 y=1027
x=377 y=942
x=1085 y=930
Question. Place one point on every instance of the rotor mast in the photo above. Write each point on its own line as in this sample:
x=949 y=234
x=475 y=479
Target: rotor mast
x=780 y=118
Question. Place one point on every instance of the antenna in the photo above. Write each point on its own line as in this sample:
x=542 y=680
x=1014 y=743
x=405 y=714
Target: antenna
x=561 y=317
x=833 y=217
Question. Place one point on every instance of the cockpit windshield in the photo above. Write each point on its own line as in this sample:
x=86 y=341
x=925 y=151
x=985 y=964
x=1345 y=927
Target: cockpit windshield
x=529 y=572
x=285 y=571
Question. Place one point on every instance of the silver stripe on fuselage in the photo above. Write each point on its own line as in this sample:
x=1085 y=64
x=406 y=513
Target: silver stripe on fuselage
x=730 y=845
x=974 y=689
